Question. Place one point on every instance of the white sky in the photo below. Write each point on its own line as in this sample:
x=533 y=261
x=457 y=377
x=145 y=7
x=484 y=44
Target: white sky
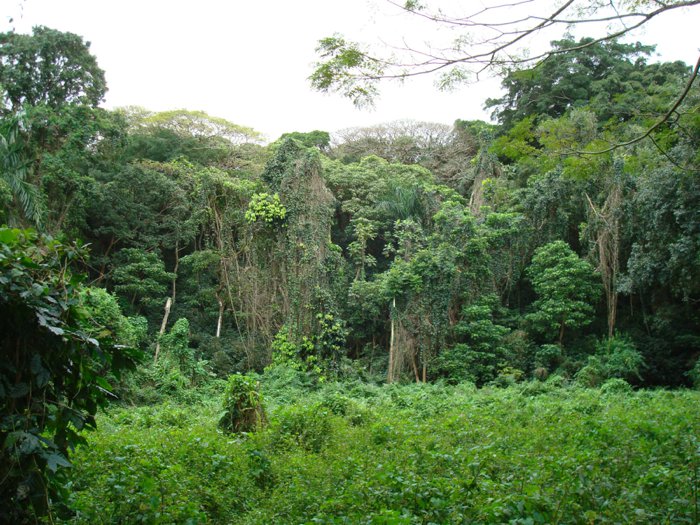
x=248 y=60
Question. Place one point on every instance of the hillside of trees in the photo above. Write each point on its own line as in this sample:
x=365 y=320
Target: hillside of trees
x=168 y=251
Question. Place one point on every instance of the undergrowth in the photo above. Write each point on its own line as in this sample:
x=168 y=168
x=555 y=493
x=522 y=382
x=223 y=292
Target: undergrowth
x=358 y=453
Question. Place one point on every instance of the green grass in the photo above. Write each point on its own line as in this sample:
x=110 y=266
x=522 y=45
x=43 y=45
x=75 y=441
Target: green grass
x=364 y=454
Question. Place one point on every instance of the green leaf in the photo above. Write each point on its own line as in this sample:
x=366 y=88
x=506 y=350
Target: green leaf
x=55 y=460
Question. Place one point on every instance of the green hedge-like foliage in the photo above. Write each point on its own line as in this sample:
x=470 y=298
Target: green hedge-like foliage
x=243 y=410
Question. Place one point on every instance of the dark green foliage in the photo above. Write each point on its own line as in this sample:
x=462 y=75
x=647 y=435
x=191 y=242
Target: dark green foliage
x=176 y=346
x=48 y=68
x=141 y=280
x=20 y=198
x=317 y=356
x=145 y=206
x=481 y=353
x=243 y=405
x=194 y=135
x=615 y=358
x=607 y=76
x=282 y=164
x=666 y=223
x=694 y=374
x=567 y=288
x=397 y=255
x=55 y=358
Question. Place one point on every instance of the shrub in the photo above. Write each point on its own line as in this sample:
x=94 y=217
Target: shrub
x=260 y=468
x=548 y=357
x=621 y=358
x=615 y=357
x=243 y=409
x=52 y=370
x=694 y=374
x=616 y=386
x=309 y=427
x=507 y=376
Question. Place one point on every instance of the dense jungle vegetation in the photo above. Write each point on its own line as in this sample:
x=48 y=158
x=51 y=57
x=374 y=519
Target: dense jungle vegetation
x=409 y=323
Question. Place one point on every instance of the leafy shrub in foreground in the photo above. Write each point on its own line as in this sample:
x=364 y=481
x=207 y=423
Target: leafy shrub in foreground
x=615 y=357
x=243 y=409
x=54 y=357
x=309 y=427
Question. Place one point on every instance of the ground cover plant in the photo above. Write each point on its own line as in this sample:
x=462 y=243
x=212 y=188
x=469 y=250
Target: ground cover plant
x=361 y=453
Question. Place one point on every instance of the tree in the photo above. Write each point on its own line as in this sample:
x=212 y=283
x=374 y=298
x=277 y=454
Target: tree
x=312 y=139
x=140 y=278
x=54 y=364
x=567 y=287
x=201 y=138
x=480 y=352
x=595 y=75
x=490 y=38
x=49 y=68
x=14 y=174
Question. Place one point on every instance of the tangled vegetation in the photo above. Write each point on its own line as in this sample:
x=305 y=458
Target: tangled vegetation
x=448 y=324
x=413 y=454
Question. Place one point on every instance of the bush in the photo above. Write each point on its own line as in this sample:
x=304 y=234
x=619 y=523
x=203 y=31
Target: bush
x=616 y=386
x=243 y=409
x=309 y=427
x=615 y=357
x=52 y=370
x=694 y=374
x=548 y=357
x=621 y=357
x=578 y=456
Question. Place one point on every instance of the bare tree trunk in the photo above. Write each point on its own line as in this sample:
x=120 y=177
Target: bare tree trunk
x=392 y=343
x=168 y=304
x=415 y=367
x=220 y=320
x=607 y=248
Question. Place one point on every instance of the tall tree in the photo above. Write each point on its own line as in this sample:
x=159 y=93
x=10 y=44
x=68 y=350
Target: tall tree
x=49 y=68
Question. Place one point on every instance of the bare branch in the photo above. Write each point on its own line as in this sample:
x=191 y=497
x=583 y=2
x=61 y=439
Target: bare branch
x=494 y=50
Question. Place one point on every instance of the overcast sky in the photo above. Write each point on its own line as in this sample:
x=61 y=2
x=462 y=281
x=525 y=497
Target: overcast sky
x=248 y=60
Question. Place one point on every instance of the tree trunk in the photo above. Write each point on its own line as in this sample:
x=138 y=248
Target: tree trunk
x=220 y=320
x=168 y=304
x=415 y=367
x=392 y=343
